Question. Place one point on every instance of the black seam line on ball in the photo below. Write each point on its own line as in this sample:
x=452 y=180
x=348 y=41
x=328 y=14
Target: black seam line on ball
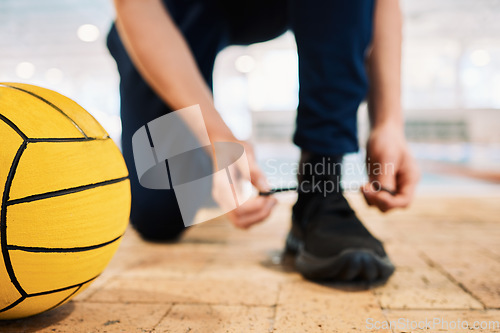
x=65 y=298
x=3 y=220
x=13 y=126
x=36 y=140
x=50 y=104
x=60 y=249
x=47 y=292
x=57 y=193
x=10 y=306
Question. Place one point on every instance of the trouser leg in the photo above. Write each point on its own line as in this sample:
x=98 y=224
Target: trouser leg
x=332 y=37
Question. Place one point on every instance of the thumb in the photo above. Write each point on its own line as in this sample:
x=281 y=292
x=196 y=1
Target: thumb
x=381 y=175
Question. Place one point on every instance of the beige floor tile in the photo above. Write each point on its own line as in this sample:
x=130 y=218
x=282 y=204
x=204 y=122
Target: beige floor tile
x=76 y=317
x=444 y=321
x=173 y=261
x=260 y=271
x=137 y=258
x=476 y=272
x=220 y=291
x=195 y=318
x=404 y=255
x=309 y=307
x=423 y=288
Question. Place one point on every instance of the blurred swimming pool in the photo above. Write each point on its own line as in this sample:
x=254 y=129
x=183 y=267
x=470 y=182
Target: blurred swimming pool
x=279 y=162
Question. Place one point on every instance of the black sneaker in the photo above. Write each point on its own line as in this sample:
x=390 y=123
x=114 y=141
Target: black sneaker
x=329 y=240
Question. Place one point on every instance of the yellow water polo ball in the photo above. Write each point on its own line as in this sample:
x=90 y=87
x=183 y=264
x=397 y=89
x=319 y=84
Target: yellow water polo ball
x=64 y=195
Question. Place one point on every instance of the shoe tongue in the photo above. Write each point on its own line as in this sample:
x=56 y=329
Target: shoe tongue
x=320 y=185
x=320 y=173
x=334 y=216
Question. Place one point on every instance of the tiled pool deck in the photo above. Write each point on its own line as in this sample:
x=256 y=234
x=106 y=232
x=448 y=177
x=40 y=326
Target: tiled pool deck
x=220 y=279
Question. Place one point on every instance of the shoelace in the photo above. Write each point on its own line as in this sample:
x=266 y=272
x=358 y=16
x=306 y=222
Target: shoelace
x=295 y=189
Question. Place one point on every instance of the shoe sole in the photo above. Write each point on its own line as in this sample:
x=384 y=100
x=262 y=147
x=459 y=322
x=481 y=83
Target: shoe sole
x=351 y=265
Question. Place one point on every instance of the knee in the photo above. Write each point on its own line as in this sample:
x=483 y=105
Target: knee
x=156 y=215
x=158 y=227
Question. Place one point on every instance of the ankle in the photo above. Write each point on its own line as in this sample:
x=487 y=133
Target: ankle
x=319 y=174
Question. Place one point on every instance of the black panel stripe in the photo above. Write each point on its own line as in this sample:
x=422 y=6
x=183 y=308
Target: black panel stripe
x=67 y=139
x=3 y=220
x=62 y=289
x=48 y=103
x=13 y=126
x=8 y=307
x=57 y=193
x=61 y=249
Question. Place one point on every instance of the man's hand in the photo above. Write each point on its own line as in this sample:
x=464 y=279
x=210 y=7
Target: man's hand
x=390 y=165
x=255 y=209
